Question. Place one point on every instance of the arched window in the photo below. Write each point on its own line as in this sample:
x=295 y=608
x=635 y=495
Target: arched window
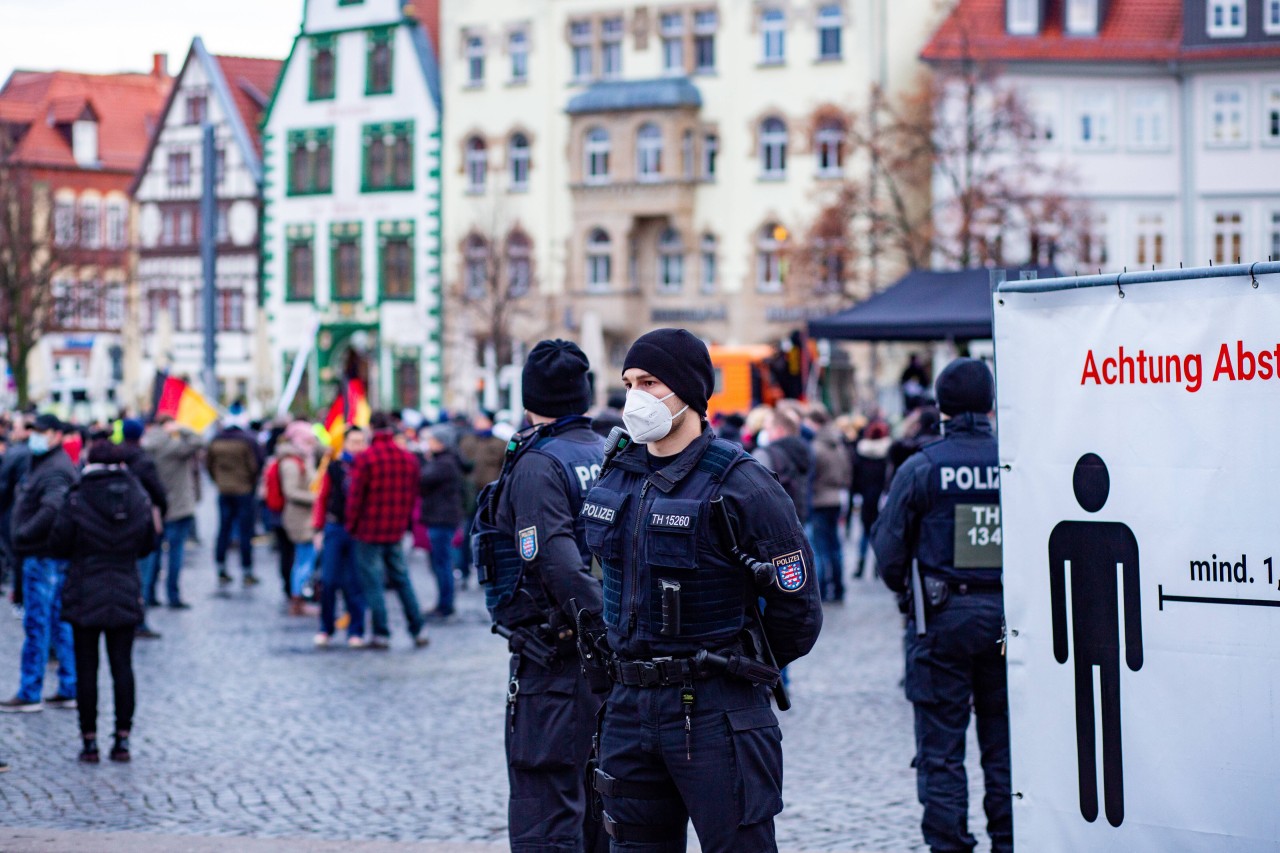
x=519 y=264
x=519 y=156
x=670 y=262
x=769 y=244
x=773 y=148
x=596 y=152
x=709 y=257
x=649 y=152
x=476 y=258
x=599 y=260
x=477 y=164
x=828 y=146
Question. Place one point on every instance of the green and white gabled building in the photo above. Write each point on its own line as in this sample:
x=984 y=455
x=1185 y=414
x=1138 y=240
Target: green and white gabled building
x=351 y=213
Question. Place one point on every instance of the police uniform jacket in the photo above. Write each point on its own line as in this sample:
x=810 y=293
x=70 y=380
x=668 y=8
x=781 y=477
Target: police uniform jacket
x=956 y=478
x=648 y=526
x=539 y=507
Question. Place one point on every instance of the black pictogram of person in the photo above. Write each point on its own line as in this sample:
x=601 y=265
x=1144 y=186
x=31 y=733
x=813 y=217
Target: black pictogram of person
x=1092 y=553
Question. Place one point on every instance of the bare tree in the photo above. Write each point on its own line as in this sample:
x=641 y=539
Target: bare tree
x=30 y=258
x=496 y=283
x=950 y=175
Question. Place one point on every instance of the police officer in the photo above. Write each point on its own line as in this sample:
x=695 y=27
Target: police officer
x=551 y=713
x=687 y=729
x=943 y=511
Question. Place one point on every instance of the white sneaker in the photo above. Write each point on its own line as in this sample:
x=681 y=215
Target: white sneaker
x=356 y=642
x=321 y=640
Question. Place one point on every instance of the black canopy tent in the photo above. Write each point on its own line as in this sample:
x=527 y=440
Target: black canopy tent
x=924 y=305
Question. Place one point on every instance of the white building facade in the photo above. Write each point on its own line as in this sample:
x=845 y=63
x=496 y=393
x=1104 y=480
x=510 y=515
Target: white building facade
x=1166 y=118
x=613 y=167
x=228 y=93
x=351 y=151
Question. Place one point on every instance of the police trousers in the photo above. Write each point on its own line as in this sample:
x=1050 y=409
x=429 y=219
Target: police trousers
x=724 y=773
x=956 y=666
x=549 y=728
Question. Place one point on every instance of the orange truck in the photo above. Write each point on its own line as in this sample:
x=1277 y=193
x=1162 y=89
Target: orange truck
x=743 y=379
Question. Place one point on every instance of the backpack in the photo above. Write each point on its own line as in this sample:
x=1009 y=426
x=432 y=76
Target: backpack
x=274 y=497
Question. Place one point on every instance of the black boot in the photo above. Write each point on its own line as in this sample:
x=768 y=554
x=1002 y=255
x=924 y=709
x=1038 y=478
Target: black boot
x=89 y=755
x=862 y=564
x=120 y=748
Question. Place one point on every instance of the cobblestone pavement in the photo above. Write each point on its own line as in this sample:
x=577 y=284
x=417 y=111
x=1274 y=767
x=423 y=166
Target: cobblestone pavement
x=245 y=729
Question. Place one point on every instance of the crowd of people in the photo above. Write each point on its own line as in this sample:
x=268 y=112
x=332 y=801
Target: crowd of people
x=93 y=517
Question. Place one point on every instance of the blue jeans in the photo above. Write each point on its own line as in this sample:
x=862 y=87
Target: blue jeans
x=338 y=572
x=175 y=539
x=304 y=564
x=175 y=536
x=442 y=564
x=42 y=580
x=235 y=511
x=824 y=522
x=373 y=559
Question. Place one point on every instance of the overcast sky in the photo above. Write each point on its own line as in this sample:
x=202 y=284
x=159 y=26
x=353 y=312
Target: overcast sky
x=121 y=35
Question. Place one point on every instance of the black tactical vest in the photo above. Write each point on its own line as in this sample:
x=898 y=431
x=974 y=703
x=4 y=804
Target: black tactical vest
x=496 y=551
x=960 y=535
x=648 y=541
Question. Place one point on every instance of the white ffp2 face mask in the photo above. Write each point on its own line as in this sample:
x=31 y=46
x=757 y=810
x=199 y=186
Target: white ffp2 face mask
x=647 y=417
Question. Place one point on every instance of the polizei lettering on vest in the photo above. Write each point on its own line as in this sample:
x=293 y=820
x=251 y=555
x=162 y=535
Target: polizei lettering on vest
x=600 y=513
x=969 y=477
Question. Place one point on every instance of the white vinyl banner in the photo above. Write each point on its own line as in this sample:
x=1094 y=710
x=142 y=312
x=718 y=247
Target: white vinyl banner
x=1140 y=453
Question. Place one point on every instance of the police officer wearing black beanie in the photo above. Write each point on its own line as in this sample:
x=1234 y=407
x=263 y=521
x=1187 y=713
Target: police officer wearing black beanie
x=943 y=511
x=551 y=713
x=685 y=636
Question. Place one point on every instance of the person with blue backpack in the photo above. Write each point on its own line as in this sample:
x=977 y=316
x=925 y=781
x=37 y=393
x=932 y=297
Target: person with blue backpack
x=534 y=564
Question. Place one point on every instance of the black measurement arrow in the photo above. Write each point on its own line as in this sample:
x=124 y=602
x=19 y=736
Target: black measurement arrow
x=1204 y=599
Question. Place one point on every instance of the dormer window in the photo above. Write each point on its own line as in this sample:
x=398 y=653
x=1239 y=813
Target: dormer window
x=84 y=142
x=1022 y=17
x=1226 y=18
x=1082 y=17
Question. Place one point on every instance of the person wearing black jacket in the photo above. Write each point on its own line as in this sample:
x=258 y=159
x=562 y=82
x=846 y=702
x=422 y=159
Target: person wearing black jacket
x=788 y=456
x=144 y=469
x=440 y=486
x=106 y=526
x=17 y=460
x=38 y=502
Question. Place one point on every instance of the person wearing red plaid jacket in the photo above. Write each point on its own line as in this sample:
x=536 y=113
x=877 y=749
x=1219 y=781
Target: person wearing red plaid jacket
x=382 y=489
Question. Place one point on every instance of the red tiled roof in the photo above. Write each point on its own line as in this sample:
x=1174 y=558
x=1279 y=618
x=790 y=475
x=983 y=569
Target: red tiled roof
x=251 y=82
x=428 y=14
x=1133 y=31
x=128 y=108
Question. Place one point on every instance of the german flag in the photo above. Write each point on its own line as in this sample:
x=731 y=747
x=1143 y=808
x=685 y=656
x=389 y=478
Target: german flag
x=184 y=404
x=350 y=408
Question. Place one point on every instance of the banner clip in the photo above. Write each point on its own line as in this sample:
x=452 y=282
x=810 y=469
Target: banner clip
x=1253 y=277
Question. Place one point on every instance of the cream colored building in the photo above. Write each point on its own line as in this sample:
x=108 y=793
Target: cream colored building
x=611 y=167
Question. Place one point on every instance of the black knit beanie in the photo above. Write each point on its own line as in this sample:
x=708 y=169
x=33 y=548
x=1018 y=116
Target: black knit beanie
x=680 y=360
x=965 y=385
x=555 y=381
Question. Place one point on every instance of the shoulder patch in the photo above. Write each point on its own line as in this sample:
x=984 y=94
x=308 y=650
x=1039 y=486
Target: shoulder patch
x=791 y=572
x=529 y=543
